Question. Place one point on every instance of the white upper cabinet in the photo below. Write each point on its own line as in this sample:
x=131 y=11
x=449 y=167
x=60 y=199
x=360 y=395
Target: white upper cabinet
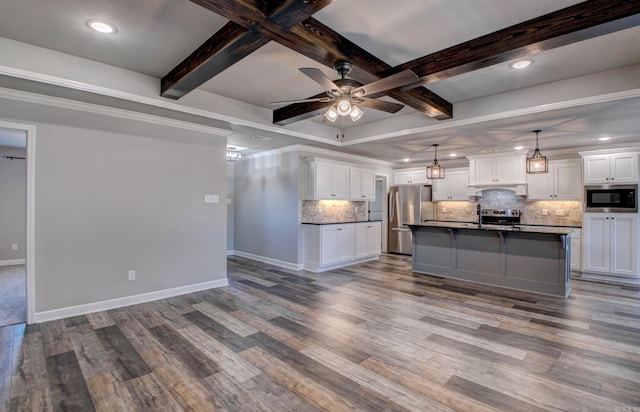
x=362 y=184
x=415 y=176
x=496 y=170
x=326 y=180
x=454 y=186
x=611 y=168
x=563 y=182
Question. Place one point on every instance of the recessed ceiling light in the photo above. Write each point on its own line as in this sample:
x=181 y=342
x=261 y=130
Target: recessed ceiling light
x=521 y=64
x=604 y=138
x=406 y=159
x=101 y=26
x=519 y=147
x=453 y=154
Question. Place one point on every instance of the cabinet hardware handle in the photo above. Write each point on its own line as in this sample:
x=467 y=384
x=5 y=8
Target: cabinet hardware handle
x=613 y=178
x=339 y=228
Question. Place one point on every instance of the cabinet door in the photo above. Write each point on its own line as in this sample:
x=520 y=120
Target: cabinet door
x=509 y=170
x=624 y=167
x=340 y=182
x=345 y=242
x=566 y=181
x=441 y=189
x=540 y=186
x=368 y=239
x=419 y=177
x=624 y=244
x=484 y=171
x=401 y=178
x=329 y=245
x=596 y=235
x=368 y=185
x=355 y=183
x=322 y=181
x=576 y=253
x=596 y=169
x=458 y=184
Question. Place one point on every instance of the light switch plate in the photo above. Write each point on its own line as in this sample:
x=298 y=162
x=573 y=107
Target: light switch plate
x=545 y=212
x=559 y=212
x=211 y=199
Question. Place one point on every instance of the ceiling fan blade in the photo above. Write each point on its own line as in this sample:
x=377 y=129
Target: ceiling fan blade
x=320 y=78
x=380 y=104
x=390 y=82
x=317 y=99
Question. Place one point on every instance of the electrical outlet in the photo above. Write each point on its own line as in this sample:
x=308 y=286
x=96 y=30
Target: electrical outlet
x=132 y=275
x=14 y=247
x=319 y=210
x=545 y=212
x=559 y=212
x=444 y=210
x=356 y=209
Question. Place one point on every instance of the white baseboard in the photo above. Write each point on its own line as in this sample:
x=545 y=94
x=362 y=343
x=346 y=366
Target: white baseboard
x=275 y=262
x=125 y=301
x=229 y=252
x=12 y=262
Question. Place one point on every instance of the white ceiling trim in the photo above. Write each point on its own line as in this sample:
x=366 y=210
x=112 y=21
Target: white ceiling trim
x=108 y=111
x=501 y=115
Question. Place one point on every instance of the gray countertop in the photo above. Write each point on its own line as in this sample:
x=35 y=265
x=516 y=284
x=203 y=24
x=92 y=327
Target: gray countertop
x=517 y=228
x=340 y=223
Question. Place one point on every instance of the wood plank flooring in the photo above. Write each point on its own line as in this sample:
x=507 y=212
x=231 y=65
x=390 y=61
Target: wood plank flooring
x=372 y=337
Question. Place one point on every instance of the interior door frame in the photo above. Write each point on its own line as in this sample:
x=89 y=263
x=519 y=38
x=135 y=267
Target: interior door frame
x=30 y=215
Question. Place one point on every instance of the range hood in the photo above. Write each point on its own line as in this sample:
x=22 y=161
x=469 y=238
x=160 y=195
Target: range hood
x=519 y=190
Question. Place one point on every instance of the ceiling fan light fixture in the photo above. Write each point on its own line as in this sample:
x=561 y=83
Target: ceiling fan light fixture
x=435 y=171
x=233 y=155
x=344 y=107
x=331 y=114
x=537 y=163
x=356 y=113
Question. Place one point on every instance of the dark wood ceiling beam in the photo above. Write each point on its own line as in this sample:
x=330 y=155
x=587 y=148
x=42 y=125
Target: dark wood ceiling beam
x=579 y=22
x=367 y=68
x=229 y=45
x=234 y=41
x=318 y=42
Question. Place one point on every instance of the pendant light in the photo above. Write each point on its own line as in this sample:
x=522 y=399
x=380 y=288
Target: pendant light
x=435 y=171
x=537 y=163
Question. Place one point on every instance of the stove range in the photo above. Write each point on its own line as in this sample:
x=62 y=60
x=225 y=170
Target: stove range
x=499 y=217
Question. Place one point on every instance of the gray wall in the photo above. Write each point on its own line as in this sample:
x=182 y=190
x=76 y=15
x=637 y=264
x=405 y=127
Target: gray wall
x=13 y=180
x=113 y=195
x=230 y=206
x=267 y=203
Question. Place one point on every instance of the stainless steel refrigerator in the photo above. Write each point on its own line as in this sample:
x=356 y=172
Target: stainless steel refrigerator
x=408 y=204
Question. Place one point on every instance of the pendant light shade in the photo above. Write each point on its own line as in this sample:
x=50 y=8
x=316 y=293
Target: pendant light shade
x=331 y=114
x=435 y=171
x=537 y=163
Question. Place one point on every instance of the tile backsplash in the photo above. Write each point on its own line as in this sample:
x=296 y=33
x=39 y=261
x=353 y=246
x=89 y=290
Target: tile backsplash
x=333 y=211
x=532 y=212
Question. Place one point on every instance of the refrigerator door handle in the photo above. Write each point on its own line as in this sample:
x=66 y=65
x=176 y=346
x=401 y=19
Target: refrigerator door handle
x=392 y=209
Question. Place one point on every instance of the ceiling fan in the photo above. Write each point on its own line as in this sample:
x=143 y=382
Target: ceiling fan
x=349 y=94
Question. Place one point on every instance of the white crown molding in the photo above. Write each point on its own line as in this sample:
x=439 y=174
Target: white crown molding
x=310 y=151
x=126 y=301
x=107 y=111
x=162 y=103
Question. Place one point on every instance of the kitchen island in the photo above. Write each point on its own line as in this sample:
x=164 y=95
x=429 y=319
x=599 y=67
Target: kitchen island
x=523 y=258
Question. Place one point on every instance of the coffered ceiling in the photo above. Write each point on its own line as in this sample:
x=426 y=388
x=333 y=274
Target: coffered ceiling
x=582 y=85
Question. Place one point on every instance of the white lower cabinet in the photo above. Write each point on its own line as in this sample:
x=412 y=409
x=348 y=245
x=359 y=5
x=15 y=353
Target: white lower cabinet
x=576 y=249
x=368 y=239
x=336 y=245
x=610 y=243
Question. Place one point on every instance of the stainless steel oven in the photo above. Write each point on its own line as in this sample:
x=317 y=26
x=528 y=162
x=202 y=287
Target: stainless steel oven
x=611 y=198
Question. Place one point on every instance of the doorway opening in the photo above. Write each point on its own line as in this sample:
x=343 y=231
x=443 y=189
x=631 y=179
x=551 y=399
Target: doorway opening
x=13 y=189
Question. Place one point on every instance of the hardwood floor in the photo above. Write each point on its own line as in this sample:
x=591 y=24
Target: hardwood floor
x=372 y=337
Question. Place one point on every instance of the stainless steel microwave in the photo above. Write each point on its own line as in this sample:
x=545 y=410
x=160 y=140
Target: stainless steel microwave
x=611 y=198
